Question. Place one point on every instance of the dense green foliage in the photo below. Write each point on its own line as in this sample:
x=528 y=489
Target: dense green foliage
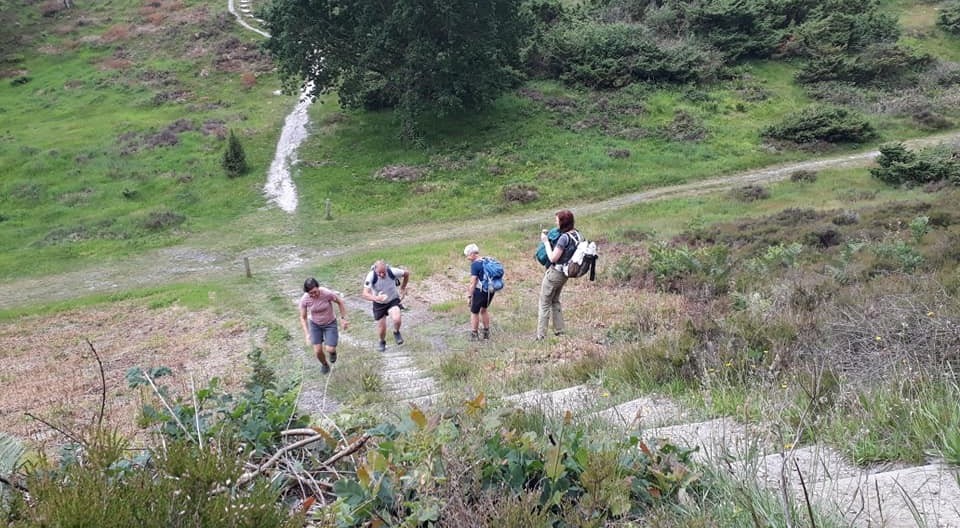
x=813 y=124
x=897 y=165
x=949 y=18
x=234 y=158
x=415 y=55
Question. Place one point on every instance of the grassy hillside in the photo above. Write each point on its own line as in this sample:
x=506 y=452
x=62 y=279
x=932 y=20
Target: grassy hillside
x=115 y=116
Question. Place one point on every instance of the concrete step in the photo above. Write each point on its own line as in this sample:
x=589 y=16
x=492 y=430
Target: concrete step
x=571 y=399
x=644 y=412
x=425 y=401
x=925 y=496
x=410 y=388
x=795 y=468
x=401 y=374
x=396 y=362
x=718 y=439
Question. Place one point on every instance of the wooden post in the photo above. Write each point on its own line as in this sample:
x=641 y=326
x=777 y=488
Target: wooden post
x=327 y=208
x=246 y=266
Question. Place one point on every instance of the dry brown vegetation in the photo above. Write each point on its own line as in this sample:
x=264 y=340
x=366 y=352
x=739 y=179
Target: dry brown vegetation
x=47 y=368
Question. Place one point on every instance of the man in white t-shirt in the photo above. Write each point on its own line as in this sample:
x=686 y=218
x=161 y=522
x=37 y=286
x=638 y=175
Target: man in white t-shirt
x=382 y=289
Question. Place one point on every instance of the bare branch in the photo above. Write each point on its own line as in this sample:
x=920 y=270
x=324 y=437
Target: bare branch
x=103 y=378
x=55 y=428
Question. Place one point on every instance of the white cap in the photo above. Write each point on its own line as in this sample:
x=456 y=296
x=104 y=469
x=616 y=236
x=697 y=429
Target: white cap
x=470 y=249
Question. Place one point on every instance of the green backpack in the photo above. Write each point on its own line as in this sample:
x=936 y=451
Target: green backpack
x=553 y=235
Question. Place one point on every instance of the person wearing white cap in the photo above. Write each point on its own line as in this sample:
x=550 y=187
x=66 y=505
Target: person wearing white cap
x=478 y=299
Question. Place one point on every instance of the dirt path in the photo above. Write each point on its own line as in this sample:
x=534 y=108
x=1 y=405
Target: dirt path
x=200 y=260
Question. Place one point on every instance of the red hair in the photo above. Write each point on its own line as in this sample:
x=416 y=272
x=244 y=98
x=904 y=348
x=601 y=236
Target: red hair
x=565 y=220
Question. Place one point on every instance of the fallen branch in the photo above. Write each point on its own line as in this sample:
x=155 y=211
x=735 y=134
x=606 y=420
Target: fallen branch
x=346 y=451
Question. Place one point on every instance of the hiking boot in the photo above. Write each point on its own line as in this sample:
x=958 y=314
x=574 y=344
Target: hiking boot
x=325 y=369
x=382 y=346
x=333 y=357
x=474 y=335
x=398 y=338
x=558 y=334
x=486 y=333
x=538 y=338
x=402 y=307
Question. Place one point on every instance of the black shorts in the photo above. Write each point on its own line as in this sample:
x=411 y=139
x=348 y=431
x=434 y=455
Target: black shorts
x=480 y=299
x=380 y=309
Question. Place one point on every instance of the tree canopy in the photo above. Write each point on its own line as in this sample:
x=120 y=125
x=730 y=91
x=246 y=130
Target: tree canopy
x=417 y=56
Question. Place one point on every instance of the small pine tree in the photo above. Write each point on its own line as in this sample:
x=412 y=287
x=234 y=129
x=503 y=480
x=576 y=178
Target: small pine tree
x=234 y=159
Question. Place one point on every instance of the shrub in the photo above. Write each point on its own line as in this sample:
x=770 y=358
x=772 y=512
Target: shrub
x=401 y=173
x=234 y=158
x=803 y=176
x=846 y=218
x=618 y=153
x=949 y=18
x=520 y=193
x=876 y=65
x=160 y=220
x=609 y=56
x=678 y=268
x=750 y=193
x=898 y=165
x=813 y=124
x=684 y=127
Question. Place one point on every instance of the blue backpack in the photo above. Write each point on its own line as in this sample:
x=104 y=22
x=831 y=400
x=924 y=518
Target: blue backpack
x=492 y=275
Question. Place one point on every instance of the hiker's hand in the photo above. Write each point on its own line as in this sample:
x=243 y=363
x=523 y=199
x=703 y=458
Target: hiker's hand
x=403 y=292
x=344 y=323
x=543 y=236
x=306 y=338
x=382 y=297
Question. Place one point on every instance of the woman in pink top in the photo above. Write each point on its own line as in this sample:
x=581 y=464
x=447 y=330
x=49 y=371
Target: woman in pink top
x=319 y=322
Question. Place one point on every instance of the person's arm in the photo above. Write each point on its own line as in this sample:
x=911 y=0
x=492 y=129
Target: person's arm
x=369 y=295
x=473 y=286
x=343 y=311
x=368 y=292
x=303 y=324
x=403 y=283
x=554 y=253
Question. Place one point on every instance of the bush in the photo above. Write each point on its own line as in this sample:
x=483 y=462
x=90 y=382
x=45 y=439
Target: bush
x=813 y=124
x=234 y=158
x=898 y=165
x=949 y=18
x=160 y=220
x=609 y=56
x=879 y=65
x=847 y=25
x=803 y=176
x=749 y=193
x=520 y=193
x=677 y=269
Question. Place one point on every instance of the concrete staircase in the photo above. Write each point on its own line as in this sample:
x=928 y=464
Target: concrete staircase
x=925 y=496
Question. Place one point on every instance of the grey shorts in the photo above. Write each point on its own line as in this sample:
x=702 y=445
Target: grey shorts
x=324 y=334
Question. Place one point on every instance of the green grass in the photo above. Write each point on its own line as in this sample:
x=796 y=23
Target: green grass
x=80 y=175
x=80 y=186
